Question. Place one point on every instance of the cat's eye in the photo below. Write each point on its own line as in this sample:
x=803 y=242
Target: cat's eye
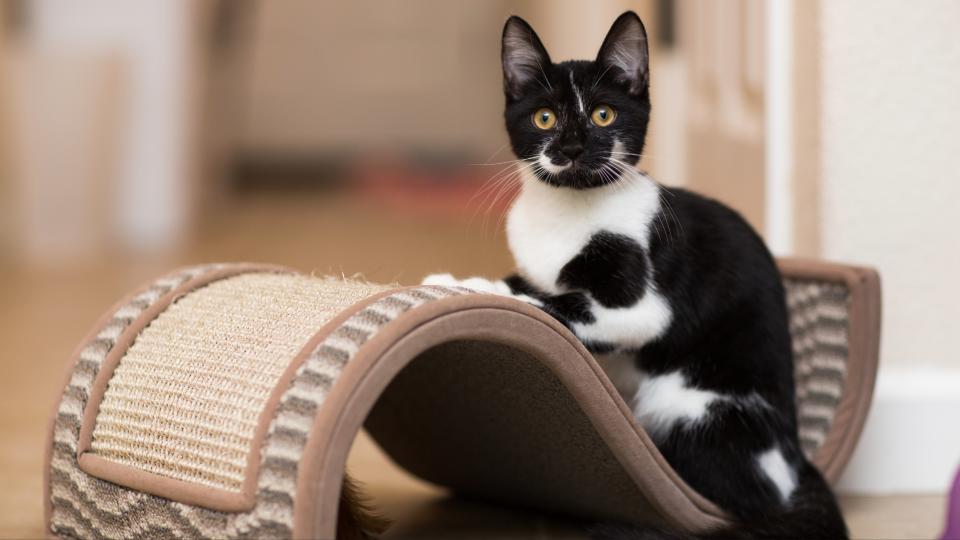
x=544 y=118
x=603 y=115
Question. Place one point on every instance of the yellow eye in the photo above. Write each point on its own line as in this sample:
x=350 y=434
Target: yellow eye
x=603 y=115
x=544 y=118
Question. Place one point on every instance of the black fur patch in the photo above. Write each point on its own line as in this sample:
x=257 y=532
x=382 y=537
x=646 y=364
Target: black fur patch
x=570 y=307
x=611 y=267
x=518 y=285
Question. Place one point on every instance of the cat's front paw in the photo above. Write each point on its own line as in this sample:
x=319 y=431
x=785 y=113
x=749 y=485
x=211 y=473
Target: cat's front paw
x=574 y=309
x=479 y=284
x=441 y=280
x=571 y=307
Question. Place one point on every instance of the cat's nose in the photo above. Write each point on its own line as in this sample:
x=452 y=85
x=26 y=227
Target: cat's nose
x=571 y=150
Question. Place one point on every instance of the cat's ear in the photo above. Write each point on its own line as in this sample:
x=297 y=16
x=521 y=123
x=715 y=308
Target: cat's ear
x=523 y=56
x=624 y=52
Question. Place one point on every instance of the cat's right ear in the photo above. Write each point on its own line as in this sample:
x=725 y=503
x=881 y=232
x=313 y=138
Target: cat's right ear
x=523 y=56
x=625 y=50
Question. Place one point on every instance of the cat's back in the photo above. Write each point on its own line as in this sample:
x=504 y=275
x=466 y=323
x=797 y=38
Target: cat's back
x=707 y=235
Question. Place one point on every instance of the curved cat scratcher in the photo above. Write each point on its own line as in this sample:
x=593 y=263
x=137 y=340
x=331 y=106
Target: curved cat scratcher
x=221 y=401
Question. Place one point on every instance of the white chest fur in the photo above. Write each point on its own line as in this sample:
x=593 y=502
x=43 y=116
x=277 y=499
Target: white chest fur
x=548 y=226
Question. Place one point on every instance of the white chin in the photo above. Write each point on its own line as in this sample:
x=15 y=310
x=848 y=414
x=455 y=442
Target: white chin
x=548 y=165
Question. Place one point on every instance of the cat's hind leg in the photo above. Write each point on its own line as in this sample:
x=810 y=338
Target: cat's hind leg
x=737 y=453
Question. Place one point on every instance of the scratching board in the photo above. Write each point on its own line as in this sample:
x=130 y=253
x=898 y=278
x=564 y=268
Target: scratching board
x=222 y=400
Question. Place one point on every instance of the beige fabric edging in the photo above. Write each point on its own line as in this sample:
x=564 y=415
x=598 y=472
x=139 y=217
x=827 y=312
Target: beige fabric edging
x=221 y=401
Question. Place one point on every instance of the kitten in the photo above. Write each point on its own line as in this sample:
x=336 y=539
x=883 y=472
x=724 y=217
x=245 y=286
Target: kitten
x=675 y=292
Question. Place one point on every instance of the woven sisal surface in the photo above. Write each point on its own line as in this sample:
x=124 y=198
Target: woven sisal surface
x=185 y=399
x=819 y=319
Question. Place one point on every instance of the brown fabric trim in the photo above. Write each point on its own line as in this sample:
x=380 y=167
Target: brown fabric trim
x=65 y=381
x=69 y=368
x=864 y=289
x=501 y=320
x=124 y=475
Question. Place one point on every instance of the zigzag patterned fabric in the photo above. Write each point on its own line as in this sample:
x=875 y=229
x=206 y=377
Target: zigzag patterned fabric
x=818 y=323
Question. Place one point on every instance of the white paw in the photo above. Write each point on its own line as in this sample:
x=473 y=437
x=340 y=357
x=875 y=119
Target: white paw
x=442 y=280
x=486 y=285
x=479 y=284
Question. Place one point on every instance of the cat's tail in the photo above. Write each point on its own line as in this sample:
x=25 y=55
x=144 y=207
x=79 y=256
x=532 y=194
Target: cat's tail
x=813 y=513
x=356 y=519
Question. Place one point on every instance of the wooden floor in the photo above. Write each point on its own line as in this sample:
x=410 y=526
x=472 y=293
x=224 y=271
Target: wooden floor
x=421 y=511
x=45 y=311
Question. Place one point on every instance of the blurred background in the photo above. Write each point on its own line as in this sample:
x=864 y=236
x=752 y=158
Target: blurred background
x=366 y=137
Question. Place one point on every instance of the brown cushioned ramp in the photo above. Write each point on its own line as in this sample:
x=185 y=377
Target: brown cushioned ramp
x=221 y=401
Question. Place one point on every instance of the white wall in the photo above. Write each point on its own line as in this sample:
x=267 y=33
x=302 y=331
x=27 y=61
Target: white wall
x=891 y=199
x=891 y=164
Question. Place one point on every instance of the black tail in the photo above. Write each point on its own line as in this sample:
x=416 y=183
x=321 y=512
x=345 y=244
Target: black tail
x=813 y=513
x=356 y=520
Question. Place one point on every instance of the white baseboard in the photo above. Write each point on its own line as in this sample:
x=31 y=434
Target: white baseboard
x=911 y=441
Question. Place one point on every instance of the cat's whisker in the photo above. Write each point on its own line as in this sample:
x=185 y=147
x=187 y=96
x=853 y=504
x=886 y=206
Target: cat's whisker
x=620 y=181
x=629 y=170
x=489 y=164
x=673 y=213
x=492 y=179
x=503 y=185
x=632 y=154
x=489 y=201
x=604 y=173
x=512 y=190
x=615 y=174
x=625 y=167
x=492 y=186
x=506 y=208
x=501 y=173
x=504 y=170
x=670 y=214
x=493 y=155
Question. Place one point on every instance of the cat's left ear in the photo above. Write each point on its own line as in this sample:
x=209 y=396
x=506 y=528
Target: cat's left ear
x=625 y=53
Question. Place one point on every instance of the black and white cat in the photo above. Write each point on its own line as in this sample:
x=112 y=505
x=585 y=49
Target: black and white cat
x=675 y=292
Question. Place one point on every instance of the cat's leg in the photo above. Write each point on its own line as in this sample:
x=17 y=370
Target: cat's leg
x=629 y=327
x=737 y=454
x=575 y=310
x=513 y=286
x=627 y=310
x=571 y=309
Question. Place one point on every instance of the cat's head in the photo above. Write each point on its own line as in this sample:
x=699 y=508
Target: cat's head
x=578 y=123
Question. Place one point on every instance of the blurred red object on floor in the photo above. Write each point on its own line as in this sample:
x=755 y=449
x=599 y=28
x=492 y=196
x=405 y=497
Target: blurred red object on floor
x=441 y=190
